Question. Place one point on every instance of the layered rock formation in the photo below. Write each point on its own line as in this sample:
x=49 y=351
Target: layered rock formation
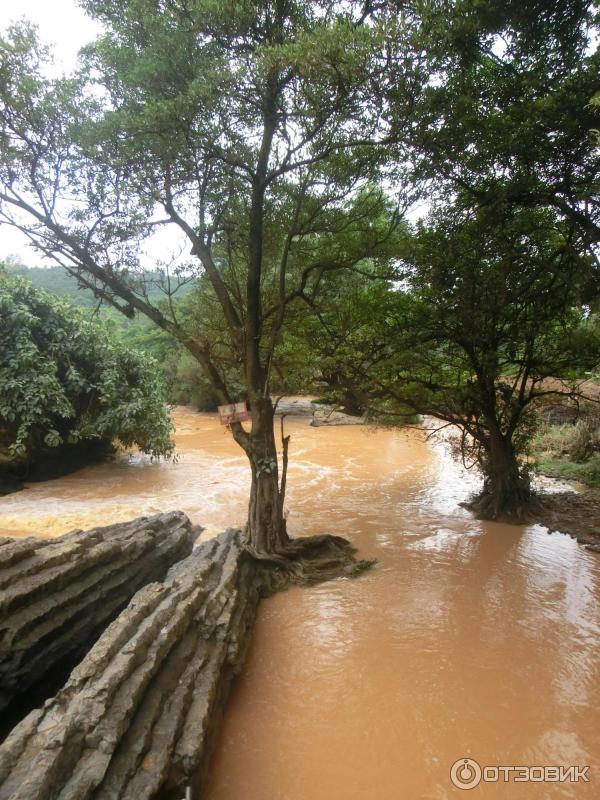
x=58 y=595
x=137 y=716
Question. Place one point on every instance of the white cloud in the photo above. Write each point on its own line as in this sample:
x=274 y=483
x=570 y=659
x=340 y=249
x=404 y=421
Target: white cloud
x=65 y=27
x=61 y=23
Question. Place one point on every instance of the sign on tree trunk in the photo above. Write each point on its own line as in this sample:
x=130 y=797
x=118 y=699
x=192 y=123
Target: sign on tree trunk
x=234 y=412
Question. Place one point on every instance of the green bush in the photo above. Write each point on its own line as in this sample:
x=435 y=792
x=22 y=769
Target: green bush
x=65 y=380
x=587 y=472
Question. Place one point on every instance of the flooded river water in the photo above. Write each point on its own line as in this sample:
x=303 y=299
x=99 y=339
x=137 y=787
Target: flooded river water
x=468 y=640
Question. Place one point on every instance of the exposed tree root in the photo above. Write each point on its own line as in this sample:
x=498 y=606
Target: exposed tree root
x=309 y=560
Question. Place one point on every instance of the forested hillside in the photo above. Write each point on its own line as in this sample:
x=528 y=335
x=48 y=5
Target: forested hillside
x=52 y=279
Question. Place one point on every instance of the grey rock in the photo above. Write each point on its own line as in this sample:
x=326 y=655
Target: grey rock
x=58 y=595
x=138 y=716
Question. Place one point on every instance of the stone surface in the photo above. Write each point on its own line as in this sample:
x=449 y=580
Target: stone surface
x=319 y=413
x=137 y=717
x=325 y=415
x=58 y=595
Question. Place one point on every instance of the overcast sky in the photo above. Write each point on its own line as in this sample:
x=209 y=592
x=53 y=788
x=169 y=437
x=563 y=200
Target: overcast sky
x=62 y=24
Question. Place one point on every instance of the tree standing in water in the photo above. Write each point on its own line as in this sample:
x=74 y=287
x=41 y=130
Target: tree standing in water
x=498 y=326
x=508 y=259
x=255 y=130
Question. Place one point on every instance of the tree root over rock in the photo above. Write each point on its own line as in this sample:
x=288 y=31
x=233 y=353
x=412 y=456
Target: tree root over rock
x=138 y=716
x=309 y=560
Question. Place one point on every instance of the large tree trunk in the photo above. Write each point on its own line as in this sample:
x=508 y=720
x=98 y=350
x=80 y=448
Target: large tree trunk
x=506 y=489
x=302 y=560
x=266 y=529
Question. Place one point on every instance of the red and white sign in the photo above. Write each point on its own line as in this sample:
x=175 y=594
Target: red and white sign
x=234 y=412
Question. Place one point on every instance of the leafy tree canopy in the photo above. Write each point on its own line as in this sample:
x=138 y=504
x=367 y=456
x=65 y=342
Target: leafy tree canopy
x=486 y=322
x=64 y=379
x=506 y=116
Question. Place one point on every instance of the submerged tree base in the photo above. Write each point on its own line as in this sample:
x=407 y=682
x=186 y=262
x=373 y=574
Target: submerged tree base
x=520 y=509
x=309 y=560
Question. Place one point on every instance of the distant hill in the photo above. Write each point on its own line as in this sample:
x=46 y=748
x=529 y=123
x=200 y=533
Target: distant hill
x=58 y=281
x=55 y=280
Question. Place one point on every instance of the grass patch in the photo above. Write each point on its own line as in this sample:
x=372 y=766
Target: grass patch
x=553 y=440
x=587 y=472
x=577 y=442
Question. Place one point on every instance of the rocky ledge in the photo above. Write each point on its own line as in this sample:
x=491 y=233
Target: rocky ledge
x=319 y=413
x=58 y=595
x=136 y=718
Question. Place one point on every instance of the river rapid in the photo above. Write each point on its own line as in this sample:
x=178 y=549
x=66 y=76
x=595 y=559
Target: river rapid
x=468 y=640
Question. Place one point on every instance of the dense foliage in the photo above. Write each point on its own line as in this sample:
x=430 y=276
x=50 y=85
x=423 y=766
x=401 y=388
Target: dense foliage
x=65 y=380
x=498 y=329
x=508 y=115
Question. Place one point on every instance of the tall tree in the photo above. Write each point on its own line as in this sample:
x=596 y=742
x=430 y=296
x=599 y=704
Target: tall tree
x=502 y=135
x=255 y=130
x=501 y=327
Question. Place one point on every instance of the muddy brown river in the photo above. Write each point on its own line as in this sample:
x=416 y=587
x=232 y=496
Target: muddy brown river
x=469 y=640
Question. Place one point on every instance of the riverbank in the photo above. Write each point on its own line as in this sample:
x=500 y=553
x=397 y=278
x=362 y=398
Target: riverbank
x=569 y=452
x=566 y=444
x=563 y=469
x=574 y=513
